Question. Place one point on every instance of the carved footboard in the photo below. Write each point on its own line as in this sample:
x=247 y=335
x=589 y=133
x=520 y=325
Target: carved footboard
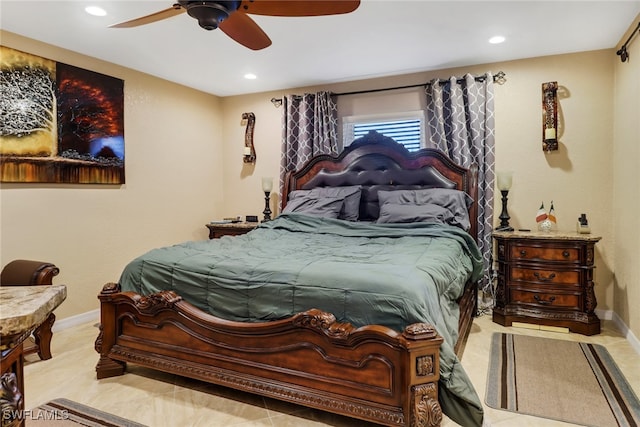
x=372 y=373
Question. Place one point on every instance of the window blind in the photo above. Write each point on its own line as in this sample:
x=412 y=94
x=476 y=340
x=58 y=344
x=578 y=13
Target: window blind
x=405 y=132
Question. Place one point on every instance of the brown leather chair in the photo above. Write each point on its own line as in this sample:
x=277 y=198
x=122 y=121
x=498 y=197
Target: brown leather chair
x=31 y=273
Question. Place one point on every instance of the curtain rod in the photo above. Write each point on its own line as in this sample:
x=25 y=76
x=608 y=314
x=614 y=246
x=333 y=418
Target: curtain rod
x=622 y=52
x=499 y=78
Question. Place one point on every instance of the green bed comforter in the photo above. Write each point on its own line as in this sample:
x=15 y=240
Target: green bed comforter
x=363 y=273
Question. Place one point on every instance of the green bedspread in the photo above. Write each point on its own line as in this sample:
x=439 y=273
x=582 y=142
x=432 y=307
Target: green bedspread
x=363 y=273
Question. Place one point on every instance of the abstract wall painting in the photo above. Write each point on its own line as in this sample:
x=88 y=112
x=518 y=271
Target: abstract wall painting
x=59 y=123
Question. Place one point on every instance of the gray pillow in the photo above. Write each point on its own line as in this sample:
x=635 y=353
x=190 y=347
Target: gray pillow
x=350 y=195
x=456 y=201
x=400 y=213
x=326 y=207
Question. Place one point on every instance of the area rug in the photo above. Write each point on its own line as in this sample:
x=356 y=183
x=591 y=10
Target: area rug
x=66 y=413
x=563 y=380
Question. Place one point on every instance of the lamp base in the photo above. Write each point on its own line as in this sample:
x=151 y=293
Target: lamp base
x=504 y=215
x=267 y=210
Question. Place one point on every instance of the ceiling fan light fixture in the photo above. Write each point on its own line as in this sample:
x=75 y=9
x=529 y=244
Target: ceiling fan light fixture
x=210 y=14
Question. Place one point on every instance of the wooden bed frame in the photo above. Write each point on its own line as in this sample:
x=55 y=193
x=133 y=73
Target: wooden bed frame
x=372 y=372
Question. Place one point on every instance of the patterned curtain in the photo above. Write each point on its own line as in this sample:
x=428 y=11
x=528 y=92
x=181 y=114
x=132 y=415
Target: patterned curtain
x=310 y=127
x=460 y=120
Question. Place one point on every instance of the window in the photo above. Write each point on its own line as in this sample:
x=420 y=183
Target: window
x=405 y=128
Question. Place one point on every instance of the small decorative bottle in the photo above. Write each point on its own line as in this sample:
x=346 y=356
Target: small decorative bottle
x=542 y=218
x=552 y=217
x=582 y=226
x=546 y=222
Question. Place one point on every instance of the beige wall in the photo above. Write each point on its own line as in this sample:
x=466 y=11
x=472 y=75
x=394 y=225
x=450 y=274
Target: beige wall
x=173 y=137
x=92 y=232
x=626 y=184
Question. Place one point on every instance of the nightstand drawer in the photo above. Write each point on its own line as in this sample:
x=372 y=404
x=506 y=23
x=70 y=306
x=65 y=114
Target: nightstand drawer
x=546 y=299
x=546 y=276
x=545 y=253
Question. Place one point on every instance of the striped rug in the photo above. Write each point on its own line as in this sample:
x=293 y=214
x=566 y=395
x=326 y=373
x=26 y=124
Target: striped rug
x=562 y=380
x=66 y=413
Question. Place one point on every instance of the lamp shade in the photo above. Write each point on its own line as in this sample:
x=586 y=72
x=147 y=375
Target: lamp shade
x=267 y=184
x=504 y=180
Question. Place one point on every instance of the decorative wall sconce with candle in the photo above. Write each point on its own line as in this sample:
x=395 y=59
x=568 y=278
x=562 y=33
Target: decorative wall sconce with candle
x=550 y=116
x=504 y=185
x=267 y=186
x=248 y=152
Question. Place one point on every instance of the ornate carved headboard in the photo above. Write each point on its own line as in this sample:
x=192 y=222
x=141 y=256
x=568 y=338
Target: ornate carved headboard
x=377 y=162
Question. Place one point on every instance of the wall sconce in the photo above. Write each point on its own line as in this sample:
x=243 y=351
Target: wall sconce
x=504 y=185
x=267 y=186
x=550 y=116
x=248 y=152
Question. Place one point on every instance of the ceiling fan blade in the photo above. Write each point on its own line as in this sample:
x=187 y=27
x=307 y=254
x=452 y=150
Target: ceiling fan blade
x=298 y=7
x=240 y=27
x=176 y=9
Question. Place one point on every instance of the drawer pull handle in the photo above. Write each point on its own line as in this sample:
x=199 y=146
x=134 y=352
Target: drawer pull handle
x=565 y=254
x=523 y=252
x=549 y=278
x=543 y=302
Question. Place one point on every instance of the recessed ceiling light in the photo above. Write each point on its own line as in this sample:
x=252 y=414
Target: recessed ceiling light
x=250 y=76
x=496 y=39
x=95 y=11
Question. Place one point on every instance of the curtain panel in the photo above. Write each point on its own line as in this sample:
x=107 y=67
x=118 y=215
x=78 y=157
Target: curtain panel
x=461 y=123
x=309 y=128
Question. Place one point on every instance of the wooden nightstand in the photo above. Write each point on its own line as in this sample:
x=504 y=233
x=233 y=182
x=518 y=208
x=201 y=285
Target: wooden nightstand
x=546 y=279
x=217 y=230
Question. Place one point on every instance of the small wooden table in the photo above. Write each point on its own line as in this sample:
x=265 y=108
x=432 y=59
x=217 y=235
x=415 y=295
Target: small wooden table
x=23 y=309
x=219 y=229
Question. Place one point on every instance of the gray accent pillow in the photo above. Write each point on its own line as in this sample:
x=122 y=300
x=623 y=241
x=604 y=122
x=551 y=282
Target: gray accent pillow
x=398 y=212
x=326 y=207
x=350 y=194
x=456 y=201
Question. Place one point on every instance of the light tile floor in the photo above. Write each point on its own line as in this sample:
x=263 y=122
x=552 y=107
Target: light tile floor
x=158 y=399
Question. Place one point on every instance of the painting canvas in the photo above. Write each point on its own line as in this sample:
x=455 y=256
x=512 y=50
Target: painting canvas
x=59 y=123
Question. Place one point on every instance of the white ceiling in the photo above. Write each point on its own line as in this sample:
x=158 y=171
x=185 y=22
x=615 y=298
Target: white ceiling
x=381 y=38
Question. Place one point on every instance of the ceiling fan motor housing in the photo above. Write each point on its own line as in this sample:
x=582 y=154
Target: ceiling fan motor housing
x=209 y=14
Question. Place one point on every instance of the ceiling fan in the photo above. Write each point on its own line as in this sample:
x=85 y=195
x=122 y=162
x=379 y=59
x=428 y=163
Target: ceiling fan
x=232 y=17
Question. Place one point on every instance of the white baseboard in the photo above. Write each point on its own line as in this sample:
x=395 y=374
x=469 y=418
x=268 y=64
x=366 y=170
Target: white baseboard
x=624 y=329
x=79 y=319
